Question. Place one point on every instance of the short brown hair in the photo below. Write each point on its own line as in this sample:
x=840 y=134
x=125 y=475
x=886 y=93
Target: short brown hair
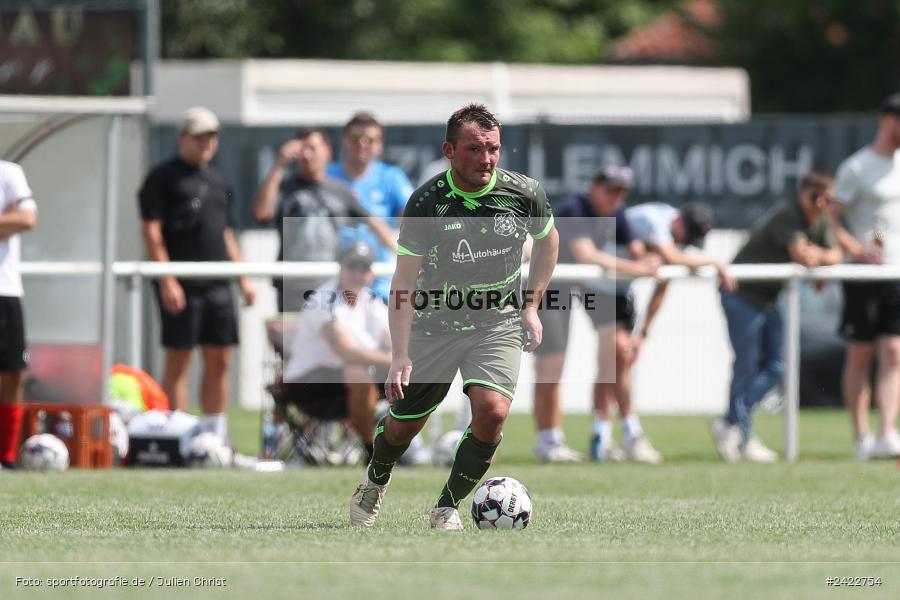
x=362 y=119
x=306 y=132
x=472 y=113
x=816 y=180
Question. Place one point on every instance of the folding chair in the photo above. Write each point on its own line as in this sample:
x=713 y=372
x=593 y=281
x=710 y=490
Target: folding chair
x=309 y=431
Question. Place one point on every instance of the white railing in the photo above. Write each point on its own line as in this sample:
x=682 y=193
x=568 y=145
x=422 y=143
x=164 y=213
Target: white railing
x=135 y=272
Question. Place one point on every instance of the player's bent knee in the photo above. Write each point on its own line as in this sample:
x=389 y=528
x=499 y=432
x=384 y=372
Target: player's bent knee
x=401 y=432
x=487 y=430
x=492 y=416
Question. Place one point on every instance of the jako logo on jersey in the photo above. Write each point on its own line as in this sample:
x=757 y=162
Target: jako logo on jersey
x=463 y=253
x=504 y=225
x=450 y=226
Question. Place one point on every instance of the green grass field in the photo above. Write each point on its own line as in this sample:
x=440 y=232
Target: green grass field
x=693 y=527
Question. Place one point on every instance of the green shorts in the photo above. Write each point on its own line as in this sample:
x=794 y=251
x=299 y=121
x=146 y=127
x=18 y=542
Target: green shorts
x=487 y=357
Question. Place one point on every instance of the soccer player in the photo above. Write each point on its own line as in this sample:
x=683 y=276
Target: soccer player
x=800 y=231
x=867 y=189
x=18 y=213
x=461 y=239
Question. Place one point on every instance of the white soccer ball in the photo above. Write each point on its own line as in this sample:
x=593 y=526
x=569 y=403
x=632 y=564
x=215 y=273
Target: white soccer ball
x=44 y=452
x=444 y=449
x=118 y=437
x=207 y=451
x=502 y=503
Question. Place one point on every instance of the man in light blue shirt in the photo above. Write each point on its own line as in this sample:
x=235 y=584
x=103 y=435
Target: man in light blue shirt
x=382 y=189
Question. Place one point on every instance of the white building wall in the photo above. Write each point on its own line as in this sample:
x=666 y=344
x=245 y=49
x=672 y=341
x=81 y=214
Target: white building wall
x=326 y=92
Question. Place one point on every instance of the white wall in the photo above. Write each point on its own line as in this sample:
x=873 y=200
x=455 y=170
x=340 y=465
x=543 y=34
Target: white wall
x=326 y=92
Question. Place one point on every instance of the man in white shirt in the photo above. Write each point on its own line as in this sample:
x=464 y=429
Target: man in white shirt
x=867 y=188
x=340 y=340
x=664 y=230
x=18 y=213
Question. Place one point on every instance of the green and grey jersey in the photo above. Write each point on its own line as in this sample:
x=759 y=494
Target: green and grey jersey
x=471 y=249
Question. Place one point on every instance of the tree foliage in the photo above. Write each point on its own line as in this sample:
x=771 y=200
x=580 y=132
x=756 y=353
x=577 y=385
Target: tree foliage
x=802 y=55
x=542 y=31
x=218 y=29
x=813 y=55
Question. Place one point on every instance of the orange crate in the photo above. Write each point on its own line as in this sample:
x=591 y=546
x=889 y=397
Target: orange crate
x=89 y=446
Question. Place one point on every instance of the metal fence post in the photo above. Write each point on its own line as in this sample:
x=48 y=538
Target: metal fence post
x=792 y=369
x=108 y=278
x=135 y=333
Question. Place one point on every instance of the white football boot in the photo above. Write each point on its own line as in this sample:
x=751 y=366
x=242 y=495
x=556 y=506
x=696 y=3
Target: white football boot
x=366 y=502
x=445 y=517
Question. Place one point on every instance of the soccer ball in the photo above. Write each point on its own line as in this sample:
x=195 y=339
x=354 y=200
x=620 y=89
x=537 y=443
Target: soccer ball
x=444 y=449
x=44 y=452
x=501 y=503
x=208 y=451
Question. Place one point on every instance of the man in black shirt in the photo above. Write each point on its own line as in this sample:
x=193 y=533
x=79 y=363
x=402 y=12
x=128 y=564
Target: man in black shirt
x=186 y=211
x=309 y=209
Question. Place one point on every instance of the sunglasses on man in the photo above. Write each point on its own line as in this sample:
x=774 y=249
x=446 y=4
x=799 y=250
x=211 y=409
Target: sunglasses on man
x=365 y=139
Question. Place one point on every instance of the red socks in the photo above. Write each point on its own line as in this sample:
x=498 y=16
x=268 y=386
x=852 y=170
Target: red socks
x=11 y=416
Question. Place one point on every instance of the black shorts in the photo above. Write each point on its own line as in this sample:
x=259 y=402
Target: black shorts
x=625 y=312
x=13 y=355
x=209 y=319
x=602 y=308
x=870 y=310
x=320 y=394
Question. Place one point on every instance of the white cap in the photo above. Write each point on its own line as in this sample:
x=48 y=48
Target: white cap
x=198 y=120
